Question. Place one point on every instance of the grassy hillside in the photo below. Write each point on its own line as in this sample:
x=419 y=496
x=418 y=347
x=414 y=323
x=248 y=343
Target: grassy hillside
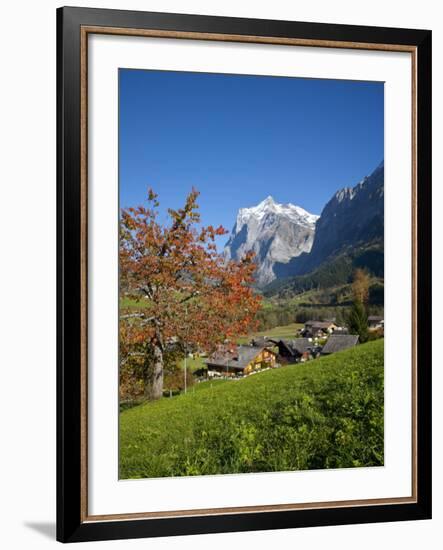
x=334 y=272
x=327 y=413
x=285 y=331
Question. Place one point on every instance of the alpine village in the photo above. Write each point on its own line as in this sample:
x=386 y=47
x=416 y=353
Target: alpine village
x=267 y=356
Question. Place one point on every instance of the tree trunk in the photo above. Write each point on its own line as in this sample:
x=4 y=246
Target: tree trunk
x=154 y=383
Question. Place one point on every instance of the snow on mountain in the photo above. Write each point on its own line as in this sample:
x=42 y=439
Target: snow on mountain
x=275 y=232
x=291 y=211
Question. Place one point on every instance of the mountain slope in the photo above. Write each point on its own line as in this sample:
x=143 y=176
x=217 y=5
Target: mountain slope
x=335 y=271
x=276 y=233
x=354 y=217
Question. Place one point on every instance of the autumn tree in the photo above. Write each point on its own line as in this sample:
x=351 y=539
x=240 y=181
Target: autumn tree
x=186 y=295
x=360 y=286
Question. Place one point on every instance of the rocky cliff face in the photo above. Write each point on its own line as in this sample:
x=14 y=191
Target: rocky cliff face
x=353 y=217
x=276 y=233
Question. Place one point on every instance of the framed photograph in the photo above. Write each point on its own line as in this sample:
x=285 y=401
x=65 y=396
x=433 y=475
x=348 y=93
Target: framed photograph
x=244 y=274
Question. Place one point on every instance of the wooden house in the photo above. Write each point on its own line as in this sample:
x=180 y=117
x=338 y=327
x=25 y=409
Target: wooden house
x=318 y=329
x=240 y=360
x=375 y=322
x=297 y=350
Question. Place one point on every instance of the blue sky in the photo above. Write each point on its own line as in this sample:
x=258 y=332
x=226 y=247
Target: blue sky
x=238 y=139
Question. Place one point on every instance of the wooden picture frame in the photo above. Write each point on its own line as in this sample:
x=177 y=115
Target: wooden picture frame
x=74 y=523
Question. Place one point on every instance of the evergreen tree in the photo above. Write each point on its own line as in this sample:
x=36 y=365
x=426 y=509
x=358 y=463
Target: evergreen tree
x=358 y=321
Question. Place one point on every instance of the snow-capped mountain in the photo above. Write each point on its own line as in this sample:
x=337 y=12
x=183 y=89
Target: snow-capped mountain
x=275 y=232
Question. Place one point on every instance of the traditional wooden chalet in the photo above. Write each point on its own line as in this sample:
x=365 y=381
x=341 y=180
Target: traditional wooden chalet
x=339 y=342
x=240 y=360
x=318 y=329
x=297 y=350
x=375 y=322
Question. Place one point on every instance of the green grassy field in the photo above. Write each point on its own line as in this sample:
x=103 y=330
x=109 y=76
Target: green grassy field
x=287 y=331
x=327 y=413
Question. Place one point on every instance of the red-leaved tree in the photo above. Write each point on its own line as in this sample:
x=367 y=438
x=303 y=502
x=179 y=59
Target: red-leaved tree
x=185 y=293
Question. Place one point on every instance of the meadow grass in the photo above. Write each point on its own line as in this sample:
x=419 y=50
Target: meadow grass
x=327 y=413
x=284 y=332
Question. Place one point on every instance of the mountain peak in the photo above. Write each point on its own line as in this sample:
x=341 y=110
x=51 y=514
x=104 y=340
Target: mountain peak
x=270 y=206
x=349 y=193
x=268 y=200
x=287 y=240
x=274 y=232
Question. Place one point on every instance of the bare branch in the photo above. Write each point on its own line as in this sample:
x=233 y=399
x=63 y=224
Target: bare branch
x=147 y=290
x=133 y=316
x=189 y=297
x=145 y=320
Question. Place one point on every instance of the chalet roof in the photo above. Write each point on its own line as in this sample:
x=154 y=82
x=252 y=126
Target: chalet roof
x=297 y=346
x=260 y=342
x=319 y=324
x=340 y=342
x=302 y=345
x=238 y=359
